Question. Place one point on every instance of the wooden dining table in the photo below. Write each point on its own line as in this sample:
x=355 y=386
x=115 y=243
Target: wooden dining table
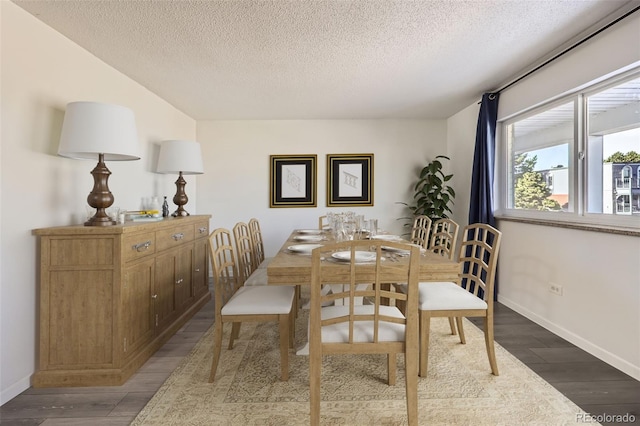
x=289 y=268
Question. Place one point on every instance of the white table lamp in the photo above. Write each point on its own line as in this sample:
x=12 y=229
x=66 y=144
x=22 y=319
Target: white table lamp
x=184 y=158
x=107 y=132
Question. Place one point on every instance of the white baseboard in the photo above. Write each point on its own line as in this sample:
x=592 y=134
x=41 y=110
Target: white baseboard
x=14 y=390
x=600 y=353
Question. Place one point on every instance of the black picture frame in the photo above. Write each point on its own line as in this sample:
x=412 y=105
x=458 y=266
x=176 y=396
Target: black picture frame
x=349 y=180
x=293 y=180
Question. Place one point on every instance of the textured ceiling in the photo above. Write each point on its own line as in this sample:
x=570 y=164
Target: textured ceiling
x=322 y=59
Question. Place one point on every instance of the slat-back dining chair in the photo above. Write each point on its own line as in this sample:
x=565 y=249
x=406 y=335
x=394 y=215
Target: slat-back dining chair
x=244 y=250
x=471 y=296
x=364 y=328
x=259 y=275
x=444 y=236
x=236 y=303
x=258 y=244
x=247 y=264
x=420 y=231
x=323 y=222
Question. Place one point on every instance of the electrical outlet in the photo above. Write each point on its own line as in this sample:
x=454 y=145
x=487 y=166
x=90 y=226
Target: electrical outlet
x=555 y=289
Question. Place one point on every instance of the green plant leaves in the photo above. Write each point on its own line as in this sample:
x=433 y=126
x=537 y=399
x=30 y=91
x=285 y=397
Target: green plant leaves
x=432 y=194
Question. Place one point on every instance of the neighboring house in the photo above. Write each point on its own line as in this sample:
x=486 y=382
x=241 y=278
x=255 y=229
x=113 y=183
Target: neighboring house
x=557 y=180
x=621 y=188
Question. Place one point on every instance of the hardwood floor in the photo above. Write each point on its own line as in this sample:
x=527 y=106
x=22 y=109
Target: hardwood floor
x=590 y=383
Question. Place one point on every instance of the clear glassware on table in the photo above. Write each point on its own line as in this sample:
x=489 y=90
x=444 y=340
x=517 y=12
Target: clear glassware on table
x=349 y=227
x=372 y=227
x=359 y=220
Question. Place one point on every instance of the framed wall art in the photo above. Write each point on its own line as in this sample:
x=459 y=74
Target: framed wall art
x=349 y=180
x=293 y=180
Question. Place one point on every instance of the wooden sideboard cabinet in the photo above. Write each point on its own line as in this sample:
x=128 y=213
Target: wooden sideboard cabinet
x=111 y=296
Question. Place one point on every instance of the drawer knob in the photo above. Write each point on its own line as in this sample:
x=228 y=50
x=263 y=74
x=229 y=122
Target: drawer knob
x=202 y=230
x=180 y=281
x=178 y=236
x=155 y=296
x=141 y=246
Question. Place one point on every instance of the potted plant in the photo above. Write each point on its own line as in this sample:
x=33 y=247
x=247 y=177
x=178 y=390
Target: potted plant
x=432 y=194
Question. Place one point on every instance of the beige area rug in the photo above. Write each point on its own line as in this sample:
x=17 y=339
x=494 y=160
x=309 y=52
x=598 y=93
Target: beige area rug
x=459 y=389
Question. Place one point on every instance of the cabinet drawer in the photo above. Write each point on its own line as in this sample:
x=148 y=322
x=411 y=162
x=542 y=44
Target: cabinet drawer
x=174 y=236
x=139 y=245
x=201 y=229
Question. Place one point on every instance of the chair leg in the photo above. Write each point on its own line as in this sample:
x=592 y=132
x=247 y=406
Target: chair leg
x=411 y=382
x=452 y=325
x=391 y=369
x=315 y=371
x=217 y=346
x=235 y=332
x=284 y=346
x=292 y=327
x=425 y=324
x=488 y=339
x=463 y=340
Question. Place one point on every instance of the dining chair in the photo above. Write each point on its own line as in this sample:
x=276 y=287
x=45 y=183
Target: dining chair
x=444 y=236
x=258 y=244
x=370 y=328
x=244 y=252
x=236 y=303
x=323 y=222
x=471 y=296
x=420 y=231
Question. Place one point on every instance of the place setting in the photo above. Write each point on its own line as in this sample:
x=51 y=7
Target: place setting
x=309 y=238
x=310 y=231
x=303 y=249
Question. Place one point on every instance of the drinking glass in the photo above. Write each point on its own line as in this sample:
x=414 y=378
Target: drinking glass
x=349 y=229
x=359 y=225
x=373 y=227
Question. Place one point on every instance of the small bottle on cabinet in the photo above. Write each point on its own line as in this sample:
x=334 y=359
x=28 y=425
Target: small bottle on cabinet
x=165 y=208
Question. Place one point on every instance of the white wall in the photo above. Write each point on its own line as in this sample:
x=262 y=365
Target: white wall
x=614 y=49
x=599 y=309
x=599 y=272
x=461 y=140
x=236 y=185
x=41 y=72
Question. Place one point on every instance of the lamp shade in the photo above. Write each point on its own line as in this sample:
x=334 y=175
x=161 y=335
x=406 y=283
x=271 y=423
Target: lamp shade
x=180 y=156
x=92 y=128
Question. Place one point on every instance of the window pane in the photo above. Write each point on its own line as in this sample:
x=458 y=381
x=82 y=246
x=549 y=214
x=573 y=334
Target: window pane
x=539 y=152
x=613 y=149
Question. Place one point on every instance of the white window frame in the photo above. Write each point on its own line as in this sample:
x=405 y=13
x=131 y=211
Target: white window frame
x=578 y=163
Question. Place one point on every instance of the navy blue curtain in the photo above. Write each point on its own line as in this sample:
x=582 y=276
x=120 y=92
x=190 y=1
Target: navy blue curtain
x=481 y=202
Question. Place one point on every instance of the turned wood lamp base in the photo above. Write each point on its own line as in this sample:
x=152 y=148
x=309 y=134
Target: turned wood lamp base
x=180 y=199
x=100 y=197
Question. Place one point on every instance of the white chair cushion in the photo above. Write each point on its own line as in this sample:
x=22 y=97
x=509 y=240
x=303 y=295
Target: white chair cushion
x=258 y=277
x=273 y=299
x=442 y=296
x=363 y=330
x=265 y=262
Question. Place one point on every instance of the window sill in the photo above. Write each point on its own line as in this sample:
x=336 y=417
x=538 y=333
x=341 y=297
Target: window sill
x=631 y=232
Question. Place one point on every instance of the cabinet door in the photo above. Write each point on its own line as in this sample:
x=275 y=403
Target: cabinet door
x=183 y=278
x=164 y=290
x=200 y=268
x=137 y=306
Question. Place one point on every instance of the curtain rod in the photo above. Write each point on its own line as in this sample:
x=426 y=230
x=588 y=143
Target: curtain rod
x=568 y=49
